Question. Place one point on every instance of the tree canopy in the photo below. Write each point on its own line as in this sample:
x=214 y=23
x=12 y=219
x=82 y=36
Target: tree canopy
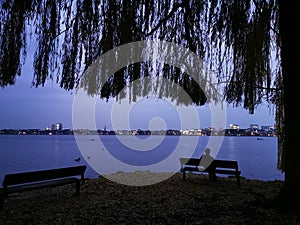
x=236 y=39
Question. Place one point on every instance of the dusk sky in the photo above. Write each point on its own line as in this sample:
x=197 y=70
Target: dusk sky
x=23 y=106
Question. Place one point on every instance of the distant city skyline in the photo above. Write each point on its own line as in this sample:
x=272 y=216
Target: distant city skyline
x=61 y=127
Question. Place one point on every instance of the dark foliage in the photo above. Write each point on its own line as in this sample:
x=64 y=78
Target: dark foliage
x=234 y=39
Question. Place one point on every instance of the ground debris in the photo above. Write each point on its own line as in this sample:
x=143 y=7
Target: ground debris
x=196 y=200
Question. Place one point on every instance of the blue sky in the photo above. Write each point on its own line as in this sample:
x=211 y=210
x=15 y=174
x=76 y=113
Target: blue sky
x=23 y=106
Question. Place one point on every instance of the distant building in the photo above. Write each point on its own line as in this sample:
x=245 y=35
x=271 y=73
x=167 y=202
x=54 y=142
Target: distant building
x=58 y=126
x=254 y=127
x=185 y=132
x=234 y=126
x=267 y=128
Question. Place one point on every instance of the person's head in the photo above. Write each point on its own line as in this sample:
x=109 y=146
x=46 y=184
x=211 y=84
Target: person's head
x=207 y=151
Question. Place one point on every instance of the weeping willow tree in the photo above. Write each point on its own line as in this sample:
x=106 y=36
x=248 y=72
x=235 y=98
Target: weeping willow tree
x=240 y=41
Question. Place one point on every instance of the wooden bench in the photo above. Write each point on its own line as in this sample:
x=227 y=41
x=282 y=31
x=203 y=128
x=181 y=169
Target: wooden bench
x=27 y=181
x=217 y=166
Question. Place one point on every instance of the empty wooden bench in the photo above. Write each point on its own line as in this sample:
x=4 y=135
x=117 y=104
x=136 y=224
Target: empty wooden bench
x=217 y=166
x=27 y=181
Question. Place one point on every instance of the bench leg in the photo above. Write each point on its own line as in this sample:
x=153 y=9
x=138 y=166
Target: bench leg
x=238 y=181
x=183 y=174
x=212 y=176
x=77 y=188
x=2 y=197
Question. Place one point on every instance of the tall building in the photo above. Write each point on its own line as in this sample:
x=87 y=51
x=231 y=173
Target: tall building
x=58 y=126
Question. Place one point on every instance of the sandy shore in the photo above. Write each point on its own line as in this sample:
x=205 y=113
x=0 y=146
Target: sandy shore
x=196 y=200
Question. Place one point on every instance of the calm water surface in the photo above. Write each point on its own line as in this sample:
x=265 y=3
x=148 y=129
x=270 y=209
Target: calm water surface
x=257 y=158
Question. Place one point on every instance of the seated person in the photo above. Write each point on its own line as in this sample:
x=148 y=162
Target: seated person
x=206 y=160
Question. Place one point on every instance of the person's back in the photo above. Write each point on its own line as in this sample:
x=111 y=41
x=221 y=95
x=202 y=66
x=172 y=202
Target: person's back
x=206 y=160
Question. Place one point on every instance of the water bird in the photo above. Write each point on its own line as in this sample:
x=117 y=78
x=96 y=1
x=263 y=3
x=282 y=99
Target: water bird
x=78 y=159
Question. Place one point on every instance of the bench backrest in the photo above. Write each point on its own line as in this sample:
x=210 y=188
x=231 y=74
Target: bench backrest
x=215 y=163
x=190 y=161
x=28 y=177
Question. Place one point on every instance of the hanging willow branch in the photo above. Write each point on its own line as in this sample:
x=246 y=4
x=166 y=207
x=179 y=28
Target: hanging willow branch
x=72 y=34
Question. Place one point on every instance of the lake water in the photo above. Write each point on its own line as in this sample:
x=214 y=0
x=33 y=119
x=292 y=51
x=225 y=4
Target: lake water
x=109 y=154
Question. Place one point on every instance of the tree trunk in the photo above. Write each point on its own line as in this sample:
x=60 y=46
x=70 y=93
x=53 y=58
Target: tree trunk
x=289 y=24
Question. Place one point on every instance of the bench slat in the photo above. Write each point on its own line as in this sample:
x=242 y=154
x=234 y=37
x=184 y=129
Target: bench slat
x=225 y=164
x=39 y=185
x=233 y=172
x=190 y=161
